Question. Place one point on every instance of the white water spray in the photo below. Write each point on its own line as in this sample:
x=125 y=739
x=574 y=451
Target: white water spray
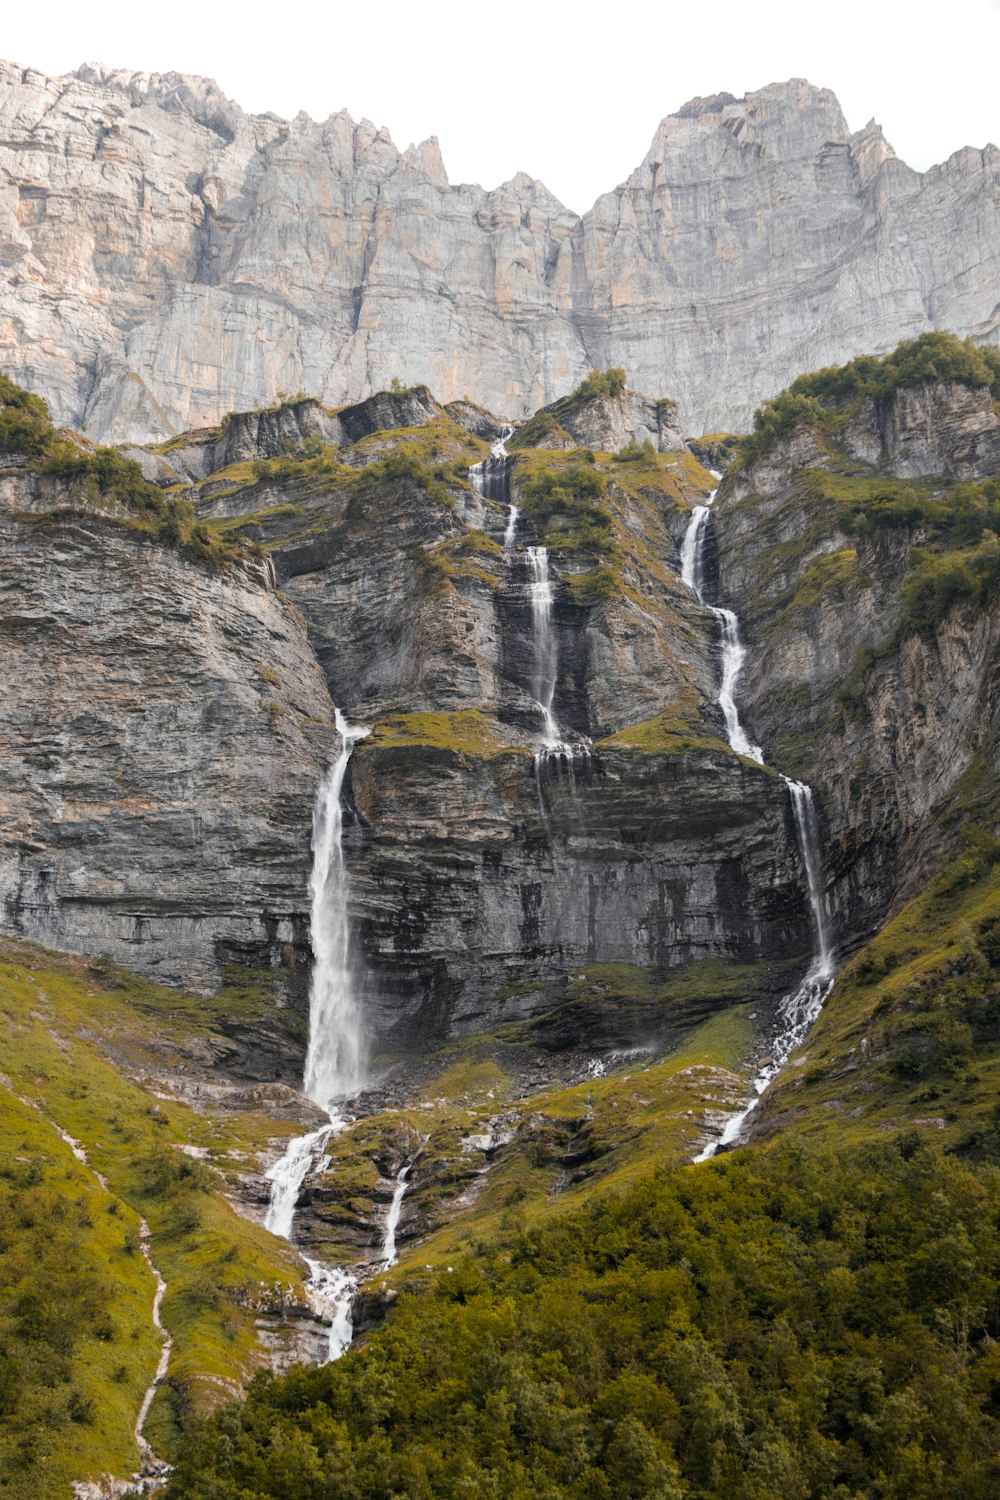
x=799 y=1010
x=388 y=1256
x=546 y=647
x=336 y=1057
x=733 y=650
x=510 y=535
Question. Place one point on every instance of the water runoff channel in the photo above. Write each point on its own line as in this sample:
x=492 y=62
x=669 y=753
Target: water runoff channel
x=336 y=1059
x=798 y=1010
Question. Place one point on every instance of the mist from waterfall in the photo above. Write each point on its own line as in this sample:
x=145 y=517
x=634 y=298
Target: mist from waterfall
x=337 y=1055
x=336 y=1059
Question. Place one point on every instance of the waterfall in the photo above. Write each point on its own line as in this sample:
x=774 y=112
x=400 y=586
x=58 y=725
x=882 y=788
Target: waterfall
x=546 y=647
x=798 y=1010
x=491 y=477
x=287 y=1176
x=733 y=650
x=510 y=535
x=388 y=1256
x=331 y=1295
x=336 y=1056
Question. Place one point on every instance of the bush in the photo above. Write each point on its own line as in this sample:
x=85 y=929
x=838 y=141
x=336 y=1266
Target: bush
x=635 y=453
x=102 y=478
x=794 y=1322
x=932 y=356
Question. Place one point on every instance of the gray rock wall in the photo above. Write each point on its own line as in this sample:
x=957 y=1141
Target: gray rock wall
x=162 y=729
x=166 y=258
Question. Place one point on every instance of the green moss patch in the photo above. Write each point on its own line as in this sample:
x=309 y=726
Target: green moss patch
x=465 y=731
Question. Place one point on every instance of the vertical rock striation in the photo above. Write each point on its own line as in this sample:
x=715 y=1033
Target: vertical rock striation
x=166 y=258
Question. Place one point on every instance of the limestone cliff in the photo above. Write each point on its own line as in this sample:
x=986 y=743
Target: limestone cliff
x=866 y=574
x=166 y=258
x=162 y=728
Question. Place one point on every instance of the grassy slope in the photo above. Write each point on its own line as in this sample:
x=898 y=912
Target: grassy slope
x=911 y=1034
x=76 y=1050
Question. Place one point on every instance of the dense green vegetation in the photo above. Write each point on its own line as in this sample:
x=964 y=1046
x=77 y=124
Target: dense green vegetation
x=921 y=1004
x=565 y=506
x=955 y=528
x=790 y=1323
x=77 y=1344
x=102 y=479
x=821 y=397
x=84 y=1048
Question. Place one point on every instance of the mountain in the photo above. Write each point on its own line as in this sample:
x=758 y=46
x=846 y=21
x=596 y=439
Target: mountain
x=166 y=258
x=575 y=907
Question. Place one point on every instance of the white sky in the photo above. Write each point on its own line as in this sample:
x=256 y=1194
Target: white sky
x=569 y=92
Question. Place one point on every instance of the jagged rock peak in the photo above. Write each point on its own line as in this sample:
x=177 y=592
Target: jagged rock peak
x=166 y=257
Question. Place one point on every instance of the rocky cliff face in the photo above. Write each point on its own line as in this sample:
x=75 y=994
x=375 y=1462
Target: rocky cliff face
x=162 y=728
x=158 y=791
x=166 y=724
x=485 y=881
x=881 y=693
x=166 y=258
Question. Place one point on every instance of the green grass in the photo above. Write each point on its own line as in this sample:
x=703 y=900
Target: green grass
x=77 y=1343
x=89 y=1059
x=674 y=731
x=910 y=1036
x=464 y=731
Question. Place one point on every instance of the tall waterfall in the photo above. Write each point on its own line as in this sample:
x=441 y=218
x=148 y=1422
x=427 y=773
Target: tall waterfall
x=336 y=1057
x=733 y=650
x=546 y=647
x=799 y=1010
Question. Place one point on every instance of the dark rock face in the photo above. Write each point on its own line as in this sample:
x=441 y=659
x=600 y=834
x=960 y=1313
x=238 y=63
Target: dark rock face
x=883 y=728
x=157 y=793
x=162 y=729
x=481 y=884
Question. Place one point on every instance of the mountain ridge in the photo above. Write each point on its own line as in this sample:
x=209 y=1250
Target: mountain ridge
x=166 y=257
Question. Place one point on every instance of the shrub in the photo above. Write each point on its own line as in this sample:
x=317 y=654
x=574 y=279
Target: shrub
x=102 y=478
x=932 y=356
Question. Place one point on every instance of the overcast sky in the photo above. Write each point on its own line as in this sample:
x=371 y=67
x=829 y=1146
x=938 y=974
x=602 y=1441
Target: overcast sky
x=569 y=92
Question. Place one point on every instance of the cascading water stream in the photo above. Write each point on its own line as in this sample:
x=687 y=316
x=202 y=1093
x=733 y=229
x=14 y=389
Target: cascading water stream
x=335 y=1061
x=733 y=650
x=336 y=1056
x=510 y=535
x=491 y=478
x=799 y=1010
x=546 y=648
x=388 y=1255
